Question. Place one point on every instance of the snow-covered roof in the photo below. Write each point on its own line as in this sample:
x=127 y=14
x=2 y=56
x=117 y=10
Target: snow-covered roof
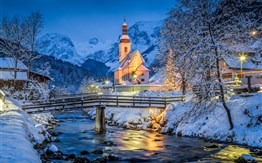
x=9 y=75
x=142 y=67
x=252 y=62
x=131 y=56
x=124 y=37
x=8 y=62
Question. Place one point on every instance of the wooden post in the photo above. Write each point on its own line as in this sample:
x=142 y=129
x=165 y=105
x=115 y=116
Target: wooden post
x=249 y=83
x=165 y=101
x=100 y=119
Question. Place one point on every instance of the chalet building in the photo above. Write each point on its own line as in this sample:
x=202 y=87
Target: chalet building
x=7 y=74
x=132 y=67
x=251 y=66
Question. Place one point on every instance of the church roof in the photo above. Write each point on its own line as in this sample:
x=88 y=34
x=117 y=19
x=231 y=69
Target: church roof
x=131 y=57
x=142 y=67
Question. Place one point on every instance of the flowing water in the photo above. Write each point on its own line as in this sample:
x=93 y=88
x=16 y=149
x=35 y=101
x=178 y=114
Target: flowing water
x=136 y=146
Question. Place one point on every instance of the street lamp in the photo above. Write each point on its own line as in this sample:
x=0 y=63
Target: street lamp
x=107 y=82
x=255 y=32
x=242 y=58
x=134 y=77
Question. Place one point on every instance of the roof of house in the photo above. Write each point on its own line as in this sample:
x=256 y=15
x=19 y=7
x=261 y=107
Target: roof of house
x=130 y=57
x=254 y=63
x=9 y=75
x=36 y=73
x=8 y=62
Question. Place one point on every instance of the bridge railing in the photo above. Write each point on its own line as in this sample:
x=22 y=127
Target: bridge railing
x=104 y=100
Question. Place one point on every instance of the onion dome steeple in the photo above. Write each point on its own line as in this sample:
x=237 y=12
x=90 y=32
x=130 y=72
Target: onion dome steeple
x=124 y=38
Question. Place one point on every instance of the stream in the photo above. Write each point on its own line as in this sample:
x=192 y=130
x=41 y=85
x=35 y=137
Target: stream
x=77 y=134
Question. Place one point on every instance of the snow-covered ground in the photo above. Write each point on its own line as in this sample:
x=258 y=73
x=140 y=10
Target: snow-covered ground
x=213 y=124
x=18 y=134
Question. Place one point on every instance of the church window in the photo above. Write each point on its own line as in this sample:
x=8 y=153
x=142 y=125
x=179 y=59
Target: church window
x=142 y=80
x=125 y=49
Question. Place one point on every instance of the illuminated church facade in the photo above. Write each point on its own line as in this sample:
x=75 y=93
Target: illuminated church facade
x=132 y=66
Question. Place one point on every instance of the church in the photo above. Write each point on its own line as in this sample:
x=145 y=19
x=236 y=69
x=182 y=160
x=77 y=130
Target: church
x=132 y=67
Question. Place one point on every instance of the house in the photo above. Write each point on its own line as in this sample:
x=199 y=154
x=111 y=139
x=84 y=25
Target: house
x=242 y=65
x=20 y=74
x=132 y=66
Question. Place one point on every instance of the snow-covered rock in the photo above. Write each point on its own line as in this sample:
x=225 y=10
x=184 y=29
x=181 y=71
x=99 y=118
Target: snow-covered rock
x=51 y=148
x=246 y=158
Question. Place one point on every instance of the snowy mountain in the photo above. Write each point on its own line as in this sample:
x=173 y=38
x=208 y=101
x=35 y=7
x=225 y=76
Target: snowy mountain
x=94 y=49
x=143 y=37
x=58 y=46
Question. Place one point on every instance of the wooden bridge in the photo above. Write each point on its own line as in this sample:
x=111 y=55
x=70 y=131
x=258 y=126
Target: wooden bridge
x=83 y=101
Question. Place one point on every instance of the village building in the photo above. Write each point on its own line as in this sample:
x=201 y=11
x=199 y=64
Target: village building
x=132 y=66
x=20 y=74
x=242 y=66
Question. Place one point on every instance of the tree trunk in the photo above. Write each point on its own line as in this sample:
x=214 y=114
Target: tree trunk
x=222 y=95
x=183 y=85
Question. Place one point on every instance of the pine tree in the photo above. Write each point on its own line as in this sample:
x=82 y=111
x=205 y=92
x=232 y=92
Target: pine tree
x=170 y=72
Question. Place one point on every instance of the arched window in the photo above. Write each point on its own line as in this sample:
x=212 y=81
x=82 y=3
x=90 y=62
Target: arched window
x=125 y=49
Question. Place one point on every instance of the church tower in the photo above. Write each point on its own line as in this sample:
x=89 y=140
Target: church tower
x=124 y=45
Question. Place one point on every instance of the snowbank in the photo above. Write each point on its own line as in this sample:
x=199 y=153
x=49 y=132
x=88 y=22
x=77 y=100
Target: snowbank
x=125 y=117
x=19 y=132
x=213 y=124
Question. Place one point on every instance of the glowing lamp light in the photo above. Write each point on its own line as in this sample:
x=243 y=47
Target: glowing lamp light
x=92 y=85
x=254 y=33
x=107 y=81
x=135 y=76
x=242 y=58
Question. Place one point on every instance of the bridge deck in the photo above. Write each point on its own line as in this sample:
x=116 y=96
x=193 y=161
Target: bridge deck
x=83 y=101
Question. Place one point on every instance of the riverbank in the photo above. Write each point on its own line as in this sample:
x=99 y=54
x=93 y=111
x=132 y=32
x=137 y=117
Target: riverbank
x=18 y=135
x=209 y=122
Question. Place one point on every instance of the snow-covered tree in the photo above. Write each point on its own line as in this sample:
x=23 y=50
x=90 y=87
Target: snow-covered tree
x=12 y=35
x=201 y=32
x=33 y=24
x=170 y=76
x=89 y=85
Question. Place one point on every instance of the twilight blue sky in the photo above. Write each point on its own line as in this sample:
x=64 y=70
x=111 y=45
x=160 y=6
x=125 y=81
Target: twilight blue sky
x=83 y=19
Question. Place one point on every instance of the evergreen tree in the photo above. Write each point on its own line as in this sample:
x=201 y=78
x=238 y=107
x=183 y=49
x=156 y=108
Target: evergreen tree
x=170 y=72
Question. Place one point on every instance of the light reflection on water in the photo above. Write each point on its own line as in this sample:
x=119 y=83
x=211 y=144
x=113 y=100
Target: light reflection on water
x=78 y=135
x=232 y=152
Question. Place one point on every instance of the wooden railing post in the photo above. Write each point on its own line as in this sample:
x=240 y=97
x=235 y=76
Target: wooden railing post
x=149 y=100
x=100 y=119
